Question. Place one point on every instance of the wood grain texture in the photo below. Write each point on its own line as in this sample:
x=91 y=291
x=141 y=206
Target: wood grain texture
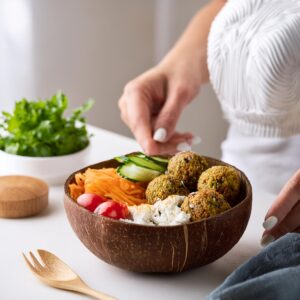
x=160 y=249
x=22 y=196
x=58 y=274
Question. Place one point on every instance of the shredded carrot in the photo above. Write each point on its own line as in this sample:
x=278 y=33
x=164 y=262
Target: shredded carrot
x=107 y=183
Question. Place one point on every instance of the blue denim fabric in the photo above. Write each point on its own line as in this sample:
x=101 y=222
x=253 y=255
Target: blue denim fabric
x=272 y=274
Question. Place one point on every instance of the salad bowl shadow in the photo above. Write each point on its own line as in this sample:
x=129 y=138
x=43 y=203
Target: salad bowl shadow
x=159 y=249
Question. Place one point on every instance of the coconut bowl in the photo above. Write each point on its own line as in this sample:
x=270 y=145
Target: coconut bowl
x=159 y=249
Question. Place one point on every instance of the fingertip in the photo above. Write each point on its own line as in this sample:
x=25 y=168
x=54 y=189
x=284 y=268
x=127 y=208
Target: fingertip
x=150 y=147
x=166 y=122
x=160 y=135
x=196 y=140
x=266 y=240
x=270 y=222
x=184 y=147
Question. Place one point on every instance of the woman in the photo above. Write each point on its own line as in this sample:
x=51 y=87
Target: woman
x=250 y=51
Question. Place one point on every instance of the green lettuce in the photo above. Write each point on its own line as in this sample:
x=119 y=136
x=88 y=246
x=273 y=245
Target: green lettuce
x=39 y=128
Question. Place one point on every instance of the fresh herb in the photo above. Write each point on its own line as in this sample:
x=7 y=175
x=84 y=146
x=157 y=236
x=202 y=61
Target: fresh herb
x=38 y=128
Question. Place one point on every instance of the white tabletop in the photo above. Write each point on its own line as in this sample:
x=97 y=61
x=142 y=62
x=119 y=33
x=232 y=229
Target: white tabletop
x=51 y=231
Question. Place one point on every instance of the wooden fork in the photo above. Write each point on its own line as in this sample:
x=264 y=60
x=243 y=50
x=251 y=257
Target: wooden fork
x=57 y=274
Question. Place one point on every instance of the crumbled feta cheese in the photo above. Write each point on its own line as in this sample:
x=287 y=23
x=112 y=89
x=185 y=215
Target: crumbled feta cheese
x=141 y=214
x=163 y=212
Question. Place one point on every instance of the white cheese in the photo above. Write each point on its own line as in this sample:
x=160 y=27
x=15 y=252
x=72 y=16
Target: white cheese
x=163 y=212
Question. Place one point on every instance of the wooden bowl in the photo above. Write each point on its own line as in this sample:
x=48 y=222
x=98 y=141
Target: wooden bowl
x=161 y=249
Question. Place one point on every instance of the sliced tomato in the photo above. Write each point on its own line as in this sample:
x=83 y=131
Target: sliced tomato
x=112 y=209
x=90 y=201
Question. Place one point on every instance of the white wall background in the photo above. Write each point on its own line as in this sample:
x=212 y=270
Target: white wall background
x=91 y=48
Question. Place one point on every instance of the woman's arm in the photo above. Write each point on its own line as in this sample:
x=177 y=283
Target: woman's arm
x=152 y=103
x=192 y=45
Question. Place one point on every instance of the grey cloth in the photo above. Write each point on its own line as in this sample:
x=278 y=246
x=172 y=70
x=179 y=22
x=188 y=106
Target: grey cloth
x=272 y=274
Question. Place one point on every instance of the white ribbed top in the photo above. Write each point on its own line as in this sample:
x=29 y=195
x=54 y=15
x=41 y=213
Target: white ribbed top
x=254 y=64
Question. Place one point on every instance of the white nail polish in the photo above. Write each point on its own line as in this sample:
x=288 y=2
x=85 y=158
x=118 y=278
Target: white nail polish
x=270 y=222
x=160 y=135
x=196 y=140
x=184 y=147
x=266 y=240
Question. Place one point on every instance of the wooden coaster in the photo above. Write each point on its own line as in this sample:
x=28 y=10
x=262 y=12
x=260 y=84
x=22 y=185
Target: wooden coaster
x=22 y=196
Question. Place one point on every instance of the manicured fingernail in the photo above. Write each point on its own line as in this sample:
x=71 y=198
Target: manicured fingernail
x=160 y=135
x=184 y=147
x=270 y=223
x=266 y=240
x=196 y=140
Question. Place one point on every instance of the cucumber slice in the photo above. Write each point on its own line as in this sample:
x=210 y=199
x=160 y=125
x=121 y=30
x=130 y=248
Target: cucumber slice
x=161 y=160
x=121 y=159
x=136 y=173
x=146 y=162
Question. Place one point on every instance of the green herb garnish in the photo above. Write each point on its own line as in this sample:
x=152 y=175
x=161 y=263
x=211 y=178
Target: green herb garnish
x=38 y=128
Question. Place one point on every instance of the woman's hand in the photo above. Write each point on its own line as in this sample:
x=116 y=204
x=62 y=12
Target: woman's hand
x=284 y=214
x=152 y=103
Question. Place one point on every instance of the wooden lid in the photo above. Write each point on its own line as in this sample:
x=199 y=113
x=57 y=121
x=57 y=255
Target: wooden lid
x=22 y=196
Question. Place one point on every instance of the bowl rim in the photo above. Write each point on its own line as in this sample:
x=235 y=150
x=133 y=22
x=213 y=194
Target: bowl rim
x=248 y=197
x=43 y=158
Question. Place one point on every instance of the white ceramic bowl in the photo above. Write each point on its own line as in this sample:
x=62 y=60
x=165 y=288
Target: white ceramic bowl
x=53 y=170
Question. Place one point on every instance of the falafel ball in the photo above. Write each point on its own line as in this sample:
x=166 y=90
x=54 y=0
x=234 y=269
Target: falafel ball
x=224 y=179
x=204 y=204
x=163 y=186
x=187 y=166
